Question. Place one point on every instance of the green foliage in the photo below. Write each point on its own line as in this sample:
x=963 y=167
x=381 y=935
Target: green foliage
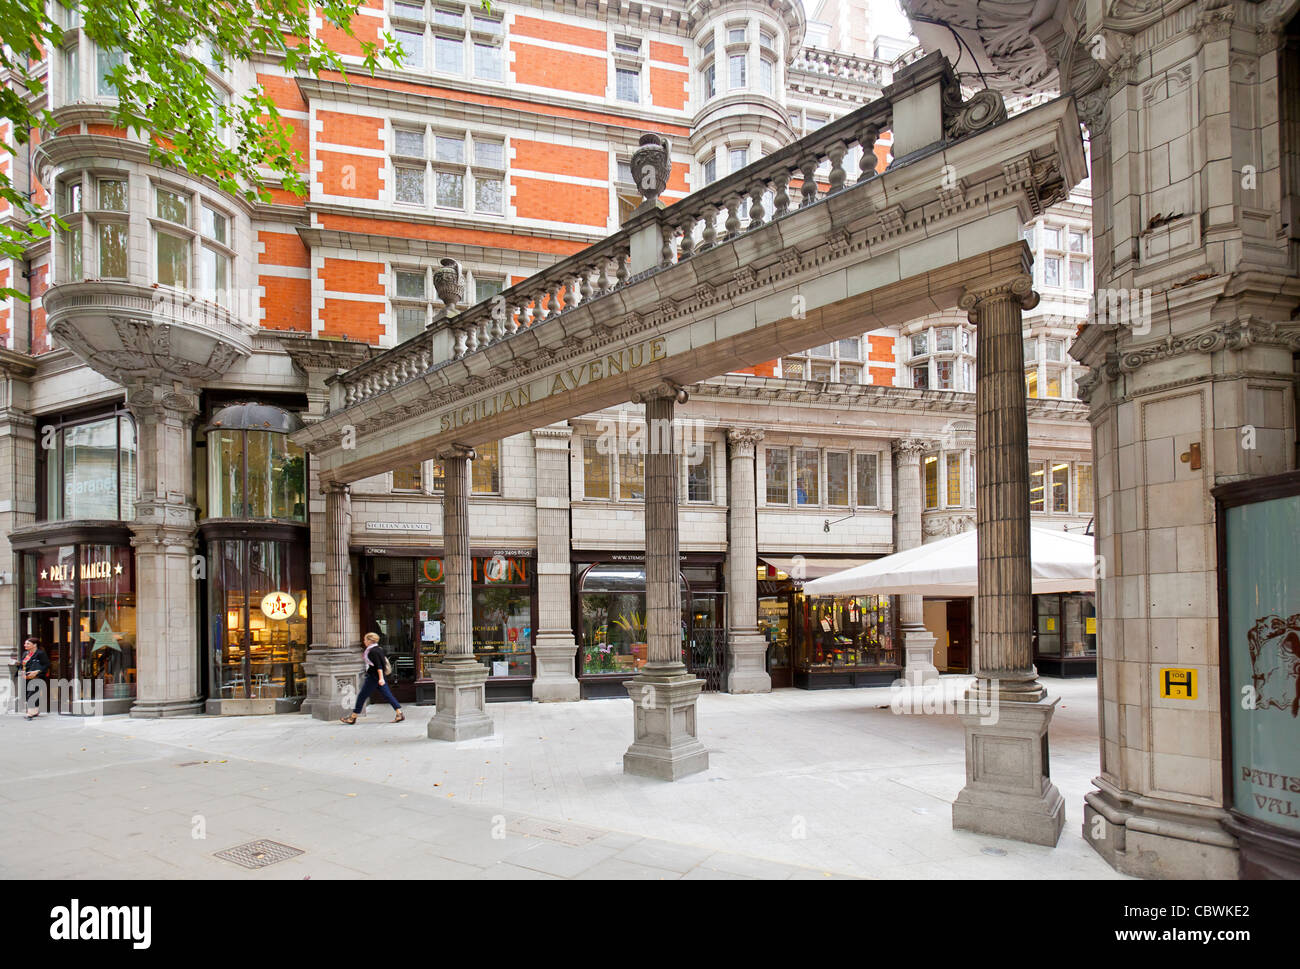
x=166 y=89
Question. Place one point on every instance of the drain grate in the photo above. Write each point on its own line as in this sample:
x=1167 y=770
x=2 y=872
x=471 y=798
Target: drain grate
x=569 y=834
x=259 y=854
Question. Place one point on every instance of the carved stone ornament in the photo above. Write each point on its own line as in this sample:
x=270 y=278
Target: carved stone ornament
x=651 y=166
x=947 y=525
x=985 y=109
x=665 y=388
x=449 y=283
x=1019 y=287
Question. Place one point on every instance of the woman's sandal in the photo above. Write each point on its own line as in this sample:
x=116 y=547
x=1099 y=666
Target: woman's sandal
x=400 y=717
x=350 y=718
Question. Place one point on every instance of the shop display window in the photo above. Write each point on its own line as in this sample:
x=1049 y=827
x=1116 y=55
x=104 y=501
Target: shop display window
x=502 y=619
x=257 y=611
x=612 y=601
x=254 y=470
x=847 y=633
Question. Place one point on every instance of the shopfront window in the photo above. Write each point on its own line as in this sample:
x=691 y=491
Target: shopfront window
x=1065 y=626
x=847 y=633
x=254 y=470
x=89 y=468
x=78 y=600
x=612 y=600
x=503 y=609
x=257 y=611
x=106 y=621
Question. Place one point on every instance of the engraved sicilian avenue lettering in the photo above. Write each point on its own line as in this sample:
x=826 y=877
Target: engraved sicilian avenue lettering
x=610 y=365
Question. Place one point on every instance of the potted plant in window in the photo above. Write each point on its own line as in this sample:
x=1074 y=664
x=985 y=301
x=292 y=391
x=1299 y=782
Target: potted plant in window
x=634 y=624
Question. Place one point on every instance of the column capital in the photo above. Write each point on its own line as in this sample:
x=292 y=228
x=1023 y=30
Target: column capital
x=146 y=400
x=911 y=447
x=1018 y=287
x=330 y=486
x=456 y=452
x=744 y=440
x=665 y=389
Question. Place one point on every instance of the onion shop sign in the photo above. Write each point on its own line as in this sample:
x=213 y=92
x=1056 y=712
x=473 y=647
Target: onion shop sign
x=606 y=366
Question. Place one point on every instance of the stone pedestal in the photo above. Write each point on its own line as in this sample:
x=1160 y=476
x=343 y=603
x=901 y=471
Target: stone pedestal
x=1009 y=792
x=918 y=648
x=333 y=680
x=554 y=655
x=747 y=663
x=461 y=699
x=664 y=741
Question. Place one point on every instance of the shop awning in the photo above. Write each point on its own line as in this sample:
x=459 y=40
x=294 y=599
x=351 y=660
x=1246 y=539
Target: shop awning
x=799 y=568
x=1061 y=562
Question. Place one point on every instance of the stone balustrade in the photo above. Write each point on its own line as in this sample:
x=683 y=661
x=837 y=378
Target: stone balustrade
x=864 y=70
x=806 y=172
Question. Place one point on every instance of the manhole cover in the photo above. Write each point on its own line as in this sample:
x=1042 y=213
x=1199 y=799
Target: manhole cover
x=259 y=854
x=569 y=834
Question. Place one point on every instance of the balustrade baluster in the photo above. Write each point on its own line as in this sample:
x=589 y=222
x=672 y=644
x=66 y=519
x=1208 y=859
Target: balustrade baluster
x=688 y=238
x=620 y=261
x=756 y=204
x=733 y=216
x=587 y=290
x=602 y=277
x=836 y=152
x=808 y=192
x=553 y=299
x=867 y=139
x=667 y=231
x=710 y=227
x=781 y=201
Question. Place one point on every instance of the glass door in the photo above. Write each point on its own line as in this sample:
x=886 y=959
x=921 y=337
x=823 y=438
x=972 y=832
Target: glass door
x=774 y=624
x=395 y=624
x=52 y=629
x=705 y=650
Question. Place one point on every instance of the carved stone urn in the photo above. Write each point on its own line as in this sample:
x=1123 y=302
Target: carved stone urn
x=449 y=283
x=651 y=166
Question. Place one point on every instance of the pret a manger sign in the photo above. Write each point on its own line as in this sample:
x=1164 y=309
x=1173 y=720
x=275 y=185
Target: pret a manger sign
x=563 y=382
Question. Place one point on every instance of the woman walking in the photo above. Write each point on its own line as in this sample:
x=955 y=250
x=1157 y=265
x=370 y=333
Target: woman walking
x=377 y=666
x=34 y=668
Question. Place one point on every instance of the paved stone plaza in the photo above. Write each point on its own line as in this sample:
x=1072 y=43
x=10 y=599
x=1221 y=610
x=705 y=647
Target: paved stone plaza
x=870 y=792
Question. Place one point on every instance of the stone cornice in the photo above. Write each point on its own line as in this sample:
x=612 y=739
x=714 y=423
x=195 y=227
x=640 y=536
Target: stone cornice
x=1235 y=335
x=311 y=353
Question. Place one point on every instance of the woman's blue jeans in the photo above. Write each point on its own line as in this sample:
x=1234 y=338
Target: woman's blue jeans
x=371 y=684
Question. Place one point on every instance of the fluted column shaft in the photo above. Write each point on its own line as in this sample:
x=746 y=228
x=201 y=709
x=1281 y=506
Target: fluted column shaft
x=663 y=583
x=456 y=561
x=338 y=527
x=1002 y=480
x=742 y=545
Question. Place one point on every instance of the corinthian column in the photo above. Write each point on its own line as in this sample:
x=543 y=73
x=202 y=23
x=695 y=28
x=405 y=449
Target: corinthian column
x=746 y=646
x=162 y=533
x=918 y=642
x=333 y=664
x=1008 y=791
x=459 y=677
x=664 y=694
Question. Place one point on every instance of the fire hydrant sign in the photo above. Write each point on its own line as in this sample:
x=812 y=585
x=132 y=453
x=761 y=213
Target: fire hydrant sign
x=1178 y=684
